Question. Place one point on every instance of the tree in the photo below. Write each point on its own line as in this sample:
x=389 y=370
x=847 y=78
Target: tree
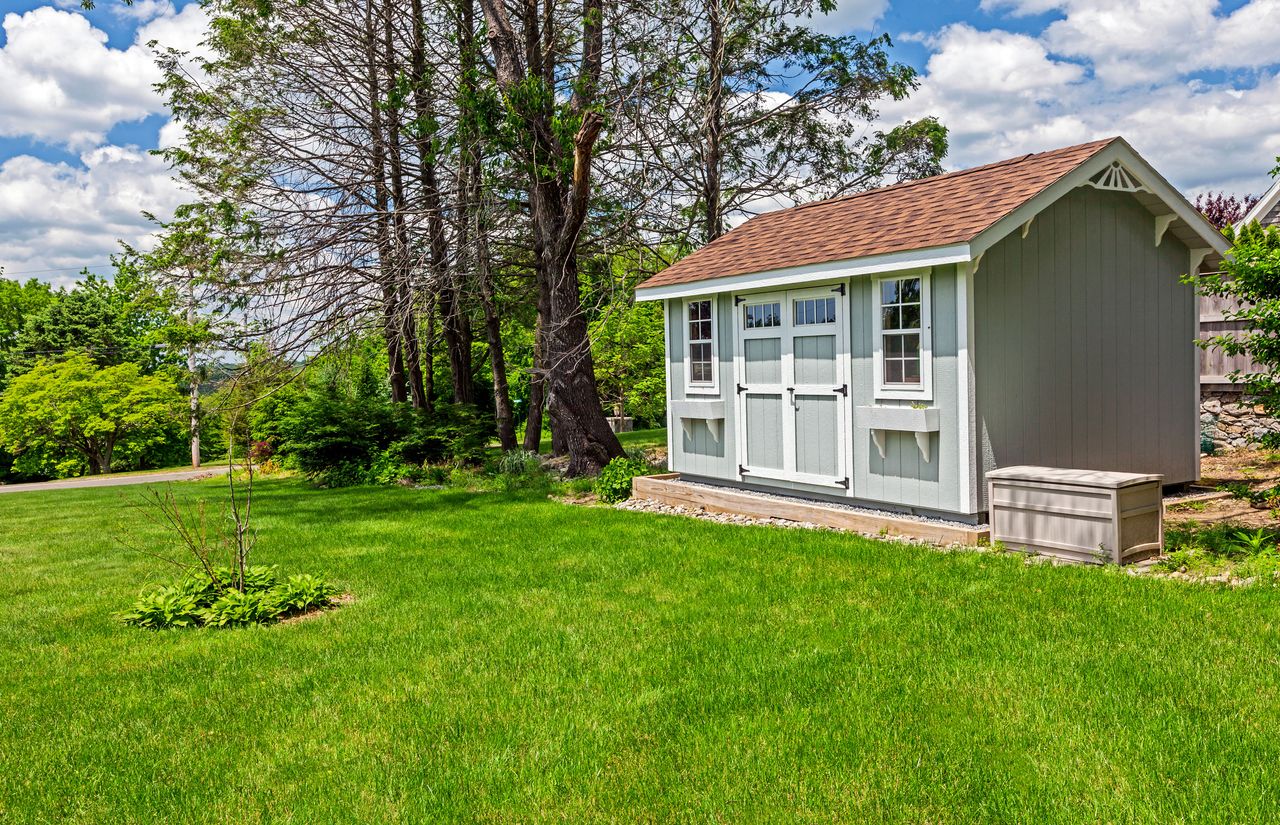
x=1224 y=210
x=19 y=302
x=75 y=406
x=753 y=109
x=1250 y=276
x=112 y=321
x=630 y=359
x=554 y=119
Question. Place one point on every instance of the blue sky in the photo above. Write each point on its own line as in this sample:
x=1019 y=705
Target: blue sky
x=1193 y=84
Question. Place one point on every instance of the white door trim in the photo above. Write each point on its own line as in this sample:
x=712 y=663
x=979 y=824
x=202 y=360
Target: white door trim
x=789 y=389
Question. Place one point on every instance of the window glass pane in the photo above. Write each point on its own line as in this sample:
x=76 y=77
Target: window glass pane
x=892 y=371
x=888 y=292
x=911 y=345
x=693 y=331
x=911 y=371
x=704 y=329
x=909 y=290
x=911 y=316
x=893 y=346
x=891 y=318
x=830 y=317
x=760 y=316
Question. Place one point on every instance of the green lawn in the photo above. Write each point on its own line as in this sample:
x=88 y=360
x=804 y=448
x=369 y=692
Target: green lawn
x=635 y=438
x=520 y=660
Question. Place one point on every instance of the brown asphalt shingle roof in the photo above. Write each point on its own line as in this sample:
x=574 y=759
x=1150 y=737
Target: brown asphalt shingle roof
x=946 y=209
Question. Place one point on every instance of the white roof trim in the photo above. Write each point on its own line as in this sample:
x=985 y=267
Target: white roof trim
x=1264 y=205
x=832 y=270
x=1151 y=180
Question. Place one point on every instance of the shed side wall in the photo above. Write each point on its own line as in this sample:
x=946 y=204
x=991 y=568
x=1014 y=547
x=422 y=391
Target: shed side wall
x=1084 y=353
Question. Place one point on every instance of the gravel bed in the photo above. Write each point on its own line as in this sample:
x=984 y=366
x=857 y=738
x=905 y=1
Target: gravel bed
x=853 y=508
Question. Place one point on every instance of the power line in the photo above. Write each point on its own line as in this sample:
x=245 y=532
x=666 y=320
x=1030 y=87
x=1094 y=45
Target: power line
x=55 y=269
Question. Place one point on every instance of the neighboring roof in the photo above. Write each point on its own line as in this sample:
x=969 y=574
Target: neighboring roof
x=1266 y=206
x=945 y=209
x=935 y=221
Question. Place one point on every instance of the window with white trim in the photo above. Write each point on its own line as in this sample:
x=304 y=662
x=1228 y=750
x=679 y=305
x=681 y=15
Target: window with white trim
x=762 y=316
x=902 y=346
x=700 y=360
x=812 y=311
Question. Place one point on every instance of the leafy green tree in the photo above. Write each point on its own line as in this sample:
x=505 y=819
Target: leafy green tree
x=114 y=322
x=76 y=408
x=628 y=345
x=1251 y=277
x=18 y=303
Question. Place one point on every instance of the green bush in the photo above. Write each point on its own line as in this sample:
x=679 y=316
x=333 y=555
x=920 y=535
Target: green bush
x=234 y=607
x=520 y=470
x=303 y=592
x=614 y=483
x=343 y=440
x=171 y=606
x=214 y=602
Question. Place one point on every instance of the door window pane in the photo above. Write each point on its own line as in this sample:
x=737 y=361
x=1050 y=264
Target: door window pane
x=762 y=316
x=810 y=311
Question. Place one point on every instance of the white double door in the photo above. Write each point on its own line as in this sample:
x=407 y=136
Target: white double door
x=792 y=386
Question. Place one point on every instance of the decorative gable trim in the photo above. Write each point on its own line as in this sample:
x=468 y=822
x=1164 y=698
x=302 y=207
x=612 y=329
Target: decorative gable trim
x=1117 y=178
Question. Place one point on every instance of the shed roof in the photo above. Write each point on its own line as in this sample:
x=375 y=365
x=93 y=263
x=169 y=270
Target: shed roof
x=945 y=209
x=1266 y=206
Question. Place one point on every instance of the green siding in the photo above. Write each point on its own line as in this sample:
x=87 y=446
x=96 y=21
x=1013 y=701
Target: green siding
x=1084 y=346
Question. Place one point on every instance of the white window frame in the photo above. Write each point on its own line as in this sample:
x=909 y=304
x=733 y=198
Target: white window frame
x=923 y=391
x=690 y=387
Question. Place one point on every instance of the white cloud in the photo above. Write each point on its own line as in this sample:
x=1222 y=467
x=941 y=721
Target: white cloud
x=1002 y=94
x=65 y=86
x=58 y=216
x=1148 y=41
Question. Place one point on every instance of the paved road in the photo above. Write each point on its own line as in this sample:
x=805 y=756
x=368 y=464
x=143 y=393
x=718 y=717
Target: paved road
x=111 y=481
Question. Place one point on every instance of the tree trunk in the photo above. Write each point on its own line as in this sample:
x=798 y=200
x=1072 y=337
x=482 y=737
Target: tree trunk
x=713 y=121
x=429 y=359
x=453 y=319
x=577 y=415
x=399 y=266
x=471 y=213
x=194 y=378
x=537 y=378
x=377 y=154
x=558 y=206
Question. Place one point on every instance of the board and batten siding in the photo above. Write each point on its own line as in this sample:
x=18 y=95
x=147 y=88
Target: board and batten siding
x=901 y=480
x=1084 y=344
x=903 y=477
x=698 y=452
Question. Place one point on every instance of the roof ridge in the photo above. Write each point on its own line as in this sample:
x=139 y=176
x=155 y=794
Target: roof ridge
x=954 y=174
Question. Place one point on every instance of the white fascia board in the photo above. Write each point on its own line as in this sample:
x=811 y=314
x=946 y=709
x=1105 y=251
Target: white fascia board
x=1123 y=152
x=1268 y=201
x=833 y=270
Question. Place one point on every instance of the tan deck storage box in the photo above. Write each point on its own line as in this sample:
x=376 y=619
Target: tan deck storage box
x=1084 y=515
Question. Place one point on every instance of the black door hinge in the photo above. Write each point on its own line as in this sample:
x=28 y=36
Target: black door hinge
x=742 y=471
x=844 y=482
x=839 y=289
x=843 y=389
x=741 y=389
x=737 y=299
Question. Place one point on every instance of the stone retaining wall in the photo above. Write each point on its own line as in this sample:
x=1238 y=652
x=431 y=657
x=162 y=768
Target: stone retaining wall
x=1232 y=422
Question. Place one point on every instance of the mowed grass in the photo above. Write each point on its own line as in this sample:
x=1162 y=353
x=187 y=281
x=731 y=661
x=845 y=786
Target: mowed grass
x=518 y=660
x=636 y=439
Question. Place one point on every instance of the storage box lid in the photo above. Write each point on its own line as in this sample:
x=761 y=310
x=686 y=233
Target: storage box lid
x=1061 y=475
